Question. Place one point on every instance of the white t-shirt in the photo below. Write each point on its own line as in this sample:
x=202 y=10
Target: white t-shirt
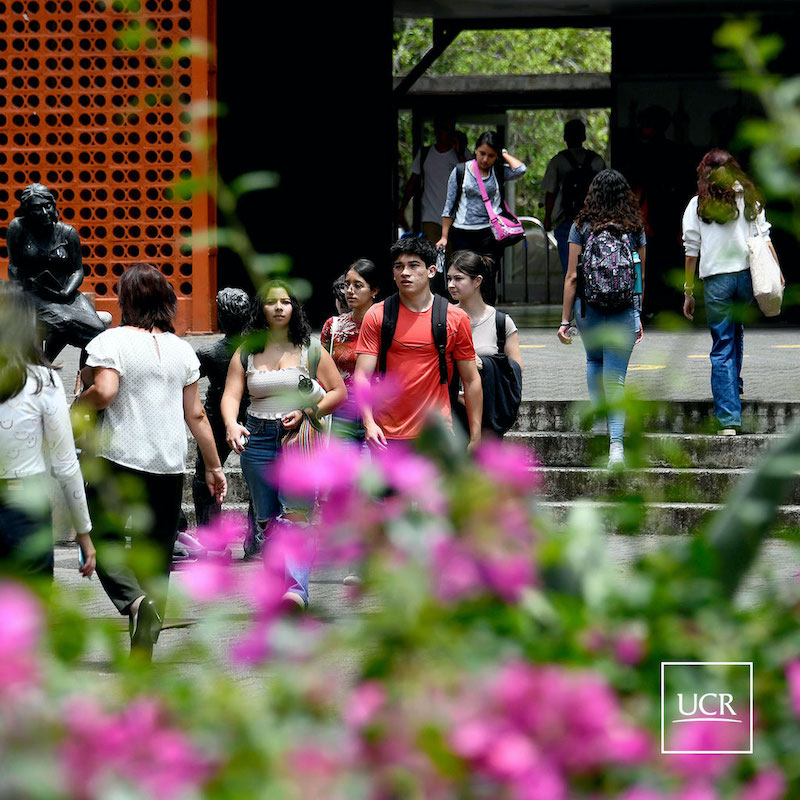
x=143 y=428
x=484 y=332
x=35 y=428
x=437 y=168
x=722 y=248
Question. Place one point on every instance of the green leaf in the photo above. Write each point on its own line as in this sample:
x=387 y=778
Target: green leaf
x=254 y=182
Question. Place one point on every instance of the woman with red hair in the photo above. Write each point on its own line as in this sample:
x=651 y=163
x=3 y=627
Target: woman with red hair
x=726 y=210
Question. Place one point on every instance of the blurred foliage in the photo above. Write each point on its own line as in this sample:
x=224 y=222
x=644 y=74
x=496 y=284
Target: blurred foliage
x=533 y=136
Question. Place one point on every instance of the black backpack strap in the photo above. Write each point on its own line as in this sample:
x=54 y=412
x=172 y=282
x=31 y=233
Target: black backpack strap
x=391 y=308
x=439 y=329
x=460 y=171
x=500 y=325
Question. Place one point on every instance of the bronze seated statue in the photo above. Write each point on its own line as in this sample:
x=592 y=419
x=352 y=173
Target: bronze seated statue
x=45 y=258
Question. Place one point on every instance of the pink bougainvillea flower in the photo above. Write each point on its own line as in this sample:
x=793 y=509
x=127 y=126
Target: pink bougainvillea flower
x=380 y=393
x=134 y=748
x=507 y=576
x=21 y=621
x=511 y=755
x=697 y=790
x=254 y=647
x=508 y=464
x=455 y=571
x=641 y=794
x=225 y=529
x=208 y=580
x=629 y=647
x=767 y=785
x=333 y=469
x=698 y=737
x=363 y=704
x=793 y=680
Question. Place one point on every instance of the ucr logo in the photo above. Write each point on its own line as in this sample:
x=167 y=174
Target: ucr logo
x=723 y=703
x=705 y=707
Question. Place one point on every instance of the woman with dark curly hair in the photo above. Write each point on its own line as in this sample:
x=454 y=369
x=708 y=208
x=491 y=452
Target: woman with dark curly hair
x=275 y=363
x=719 y=218
x=608 y=233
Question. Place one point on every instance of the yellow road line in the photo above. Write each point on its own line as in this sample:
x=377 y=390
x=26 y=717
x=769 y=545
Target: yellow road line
x=646 y=367
x=786 y=346
x=533 y=345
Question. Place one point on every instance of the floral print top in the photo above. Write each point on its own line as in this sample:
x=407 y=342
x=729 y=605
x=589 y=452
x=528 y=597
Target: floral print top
x=340 y=337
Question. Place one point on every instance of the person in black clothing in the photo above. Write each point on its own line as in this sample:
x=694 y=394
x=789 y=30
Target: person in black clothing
x=566 y=183
x=233 y=316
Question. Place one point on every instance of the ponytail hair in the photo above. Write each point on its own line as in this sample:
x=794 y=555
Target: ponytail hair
x=474 y=265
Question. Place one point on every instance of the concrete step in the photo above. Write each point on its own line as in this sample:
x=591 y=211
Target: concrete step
x=654 y=485
x=560 y=449
x=237 y=486
x=663 y=518
x=758 y=416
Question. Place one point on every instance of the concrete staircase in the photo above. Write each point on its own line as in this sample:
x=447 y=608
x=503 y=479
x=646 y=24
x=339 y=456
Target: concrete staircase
x=684 y=474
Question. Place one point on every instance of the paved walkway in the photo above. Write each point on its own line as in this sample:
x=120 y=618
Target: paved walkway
x=669 y=366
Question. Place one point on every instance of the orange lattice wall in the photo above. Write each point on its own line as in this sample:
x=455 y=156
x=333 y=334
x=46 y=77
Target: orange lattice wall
x=96 y=103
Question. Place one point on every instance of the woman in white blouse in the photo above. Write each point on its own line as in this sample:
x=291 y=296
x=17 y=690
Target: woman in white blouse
x=144 y=378
x=34 y=430
x=716 y=224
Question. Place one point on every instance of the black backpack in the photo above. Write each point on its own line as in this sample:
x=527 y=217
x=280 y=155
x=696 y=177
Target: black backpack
x=576 y=184
x=501 y=379
x=391 y=309
x=607 y=271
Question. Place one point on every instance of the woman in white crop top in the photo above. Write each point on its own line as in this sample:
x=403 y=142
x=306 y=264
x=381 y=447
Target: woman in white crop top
x=35 y=437
x=271 y=376
x=144 y=378
x=466 y=276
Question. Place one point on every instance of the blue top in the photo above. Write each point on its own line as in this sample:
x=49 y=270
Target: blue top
x=471 y=212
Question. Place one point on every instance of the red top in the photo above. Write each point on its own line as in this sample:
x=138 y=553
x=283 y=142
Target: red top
x=412 y=359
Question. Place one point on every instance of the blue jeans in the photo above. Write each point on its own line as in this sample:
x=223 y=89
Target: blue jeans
x=261 y=450
x=608 y=339
x=725 y=295
x=561 y=235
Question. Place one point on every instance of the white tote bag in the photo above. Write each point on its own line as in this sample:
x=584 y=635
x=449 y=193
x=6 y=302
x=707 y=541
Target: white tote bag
x=765 y=273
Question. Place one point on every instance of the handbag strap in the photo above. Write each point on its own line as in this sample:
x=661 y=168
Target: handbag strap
x=484 y=194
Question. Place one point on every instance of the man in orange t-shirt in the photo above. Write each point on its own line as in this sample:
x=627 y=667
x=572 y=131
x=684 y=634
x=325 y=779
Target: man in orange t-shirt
x=412 y=358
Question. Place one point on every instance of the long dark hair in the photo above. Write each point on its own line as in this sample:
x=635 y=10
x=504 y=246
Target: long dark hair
x=610 y=201
x=20 y=342
x=717 y=174
x=146 y=298
x=368 y=271
x=299 y=328
x=493 y=140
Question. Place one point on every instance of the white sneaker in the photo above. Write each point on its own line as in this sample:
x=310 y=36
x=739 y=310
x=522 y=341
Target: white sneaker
x=727 y=432
x=352 y=580
x=616 y=455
